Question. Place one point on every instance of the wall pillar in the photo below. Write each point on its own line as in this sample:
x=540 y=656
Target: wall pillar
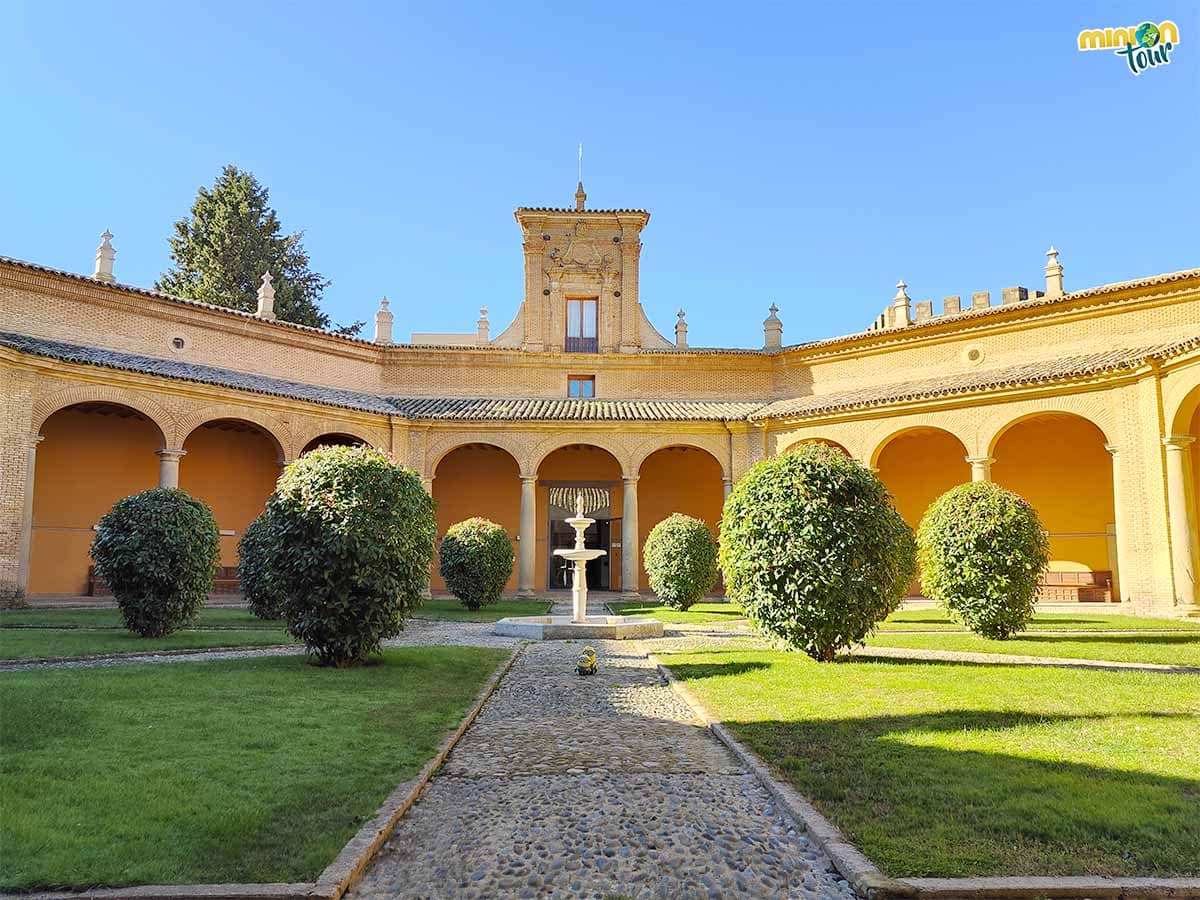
x=168 y=467
x=527 y=541
x=981 y=467
x=629 y=537
x=1123 y=562
x=1183 y=534
x=26 y=541
x=426 y=594
x=728 y=482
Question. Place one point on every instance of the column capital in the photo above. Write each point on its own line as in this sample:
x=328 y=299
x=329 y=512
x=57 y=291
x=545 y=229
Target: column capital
x=980 y=460
x=528 y=479
x=630 y=479
x=170 y=453
x=1112 y=448
x=1178 y=441
x=35 y=439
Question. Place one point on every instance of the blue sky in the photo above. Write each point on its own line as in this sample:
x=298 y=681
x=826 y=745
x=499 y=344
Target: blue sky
x=808 y=156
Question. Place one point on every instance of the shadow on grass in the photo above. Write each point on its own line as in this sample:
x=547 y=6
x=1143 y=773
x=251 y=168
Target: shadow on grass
x=1142 y=637
x=972 y=792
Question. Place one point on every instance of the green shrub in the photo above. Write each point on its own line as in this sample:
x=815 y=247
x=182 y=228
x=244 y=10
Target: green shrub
x=254 y=571
x=156 y=551
x=813 y=550
x=983 y=551
x=351 y=535
x=680 y=556
x=476 y=561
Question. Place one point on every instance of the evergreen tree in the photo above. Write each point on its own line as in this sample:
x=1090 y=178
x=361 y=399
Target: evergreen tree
x=220 y=252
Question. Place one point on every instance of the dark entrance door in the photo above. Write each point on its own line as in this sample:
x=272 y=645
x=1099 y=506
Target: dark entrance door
x=597 y=537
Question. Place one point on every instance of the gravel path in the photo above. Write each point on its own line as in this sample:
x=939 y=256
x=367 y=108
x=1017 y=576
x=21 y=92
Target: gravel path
x=604 y=786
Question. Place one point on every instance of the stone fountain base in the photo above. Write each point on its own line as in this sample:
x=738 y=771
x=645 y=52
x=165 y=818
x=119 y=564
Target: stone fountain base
x=565 y=628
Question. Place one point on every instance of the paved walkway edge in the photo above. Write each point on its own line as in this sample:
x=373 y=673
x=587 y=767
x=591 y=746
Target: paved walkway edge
x=278 y=891
x=51 y=662
x=340 y=875
x=868 y=881
x=1005 y=659
x=864 y=876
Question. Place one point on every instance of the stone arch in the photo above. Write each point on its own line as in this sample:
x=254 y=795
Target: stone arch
x=540 y=451
x=279 y=433
x=368 y=436
x=887 y=432
x=441 y=447
x=1091 y=409
x=45 y=407
x=1182 y=401
x=713 y=448
x=828 y=442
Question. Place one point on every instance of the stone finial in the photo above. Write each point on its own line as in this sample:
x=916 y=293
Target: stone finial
x=1054 y=274
x=924 y=310
x=981 y=299
x=580 y=197
x=772 y=330
x=681 y=331
x=901 y=311
x=105 y=254
x=482 y=328
x=951 y=305
x=1016 y=294
x=383 y=323
x=266 y=298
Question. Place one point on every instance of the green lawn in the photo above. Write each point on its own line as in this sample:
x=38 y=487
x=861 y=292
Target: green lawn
x=253 y=770
x=1148 y=647
x=958 y=770
x=452 y=609
x=208 y=617
x=936 y=620
x=35 y=643
x=699 y=614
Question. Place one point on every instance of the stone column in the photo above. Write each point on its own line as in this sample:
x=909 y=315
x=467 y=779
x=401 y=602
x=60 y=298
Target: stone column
x=527 y=541
x=26 y=542
x=168 y=467
x=629 y=537
x=426 y=594
x=981 y=467
x=728 y=482
x=1183 y=535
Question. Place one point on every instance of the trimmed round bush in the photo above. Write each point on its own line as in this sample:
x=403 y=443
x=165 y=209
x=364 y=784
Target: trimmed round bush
x=680 y=556
x=476 y=561
x=814 y=551
x=351 y=537
x=983 y=551
x=254 y=571
x=156 y=551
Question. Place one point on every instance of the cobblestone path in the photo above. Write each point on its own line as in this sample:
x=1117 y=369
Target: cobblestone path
x=604 y=786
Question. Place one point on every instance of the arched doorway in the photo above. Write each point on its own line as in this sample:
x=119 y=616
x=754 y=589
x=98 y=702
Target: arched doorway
x=477 y=480
x=562 y=476
x=91 y=455
x=232 y=465
x=678 y=479
x=792 y=448
x=333 y=439
x=1059 y=463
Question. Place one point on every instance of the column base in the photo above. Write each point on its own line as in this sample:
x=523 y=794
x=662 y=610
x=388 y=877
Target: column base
x=526 y=593
x=630 y=595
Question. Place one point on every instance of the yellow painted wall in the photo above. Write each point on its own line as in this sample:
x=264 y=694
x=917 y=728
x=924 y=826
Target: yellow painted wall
x=478 y=480
x=920 y=466
x=1194 y=429
x=86 y=463
x=678 y=480
x=1059 y=464
x=234 y=472
x=577 y=463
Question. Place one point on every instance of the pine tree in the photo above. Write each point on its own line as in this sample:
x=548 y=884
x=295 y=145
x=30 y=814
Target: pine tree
x=220 y=251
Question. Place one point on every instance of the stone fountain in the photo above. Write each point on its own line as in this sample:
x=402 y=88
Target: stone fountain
x=579 y=624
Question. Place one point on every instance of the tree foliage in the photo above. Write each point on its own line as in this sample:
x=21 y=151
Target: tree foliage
x=813 y=550
x=476 y=560
x=680 y=556
x=351 y=537
x=983 y=552
x=220 y=252
x=156 y=551
x=254 y=570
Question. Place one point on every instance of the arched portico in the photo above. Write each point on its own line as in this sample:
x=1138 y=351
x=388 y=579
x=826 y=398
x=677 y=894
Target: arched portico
x=334 y=439
x=478 y=479
x=826 y=442
x=232 y=465
x=1182 y=457
x=678 y=479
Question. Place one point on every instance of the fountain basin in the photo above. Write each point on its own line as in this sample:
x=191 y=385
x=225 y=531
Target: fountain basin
x=566 y=628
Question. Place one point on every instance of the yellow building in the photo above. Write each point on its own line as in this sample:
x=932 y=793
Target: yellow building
x=1085 y=402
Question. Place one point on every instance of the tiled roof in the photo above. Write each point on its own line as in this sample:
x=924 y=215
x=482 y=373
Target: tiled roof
x=574 y=211
x=533 y=409
x=551 y=409
x=969 y=382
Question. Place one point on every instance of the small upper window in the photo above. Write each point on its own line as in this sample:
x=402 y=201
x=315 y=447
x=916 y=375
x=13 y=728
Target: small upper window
x=581 y=386
x=581 y=325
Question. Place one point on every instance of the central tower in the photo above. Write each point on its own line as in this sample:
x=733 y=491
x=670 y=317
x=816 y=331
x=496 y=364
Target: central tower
x=581 y=280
